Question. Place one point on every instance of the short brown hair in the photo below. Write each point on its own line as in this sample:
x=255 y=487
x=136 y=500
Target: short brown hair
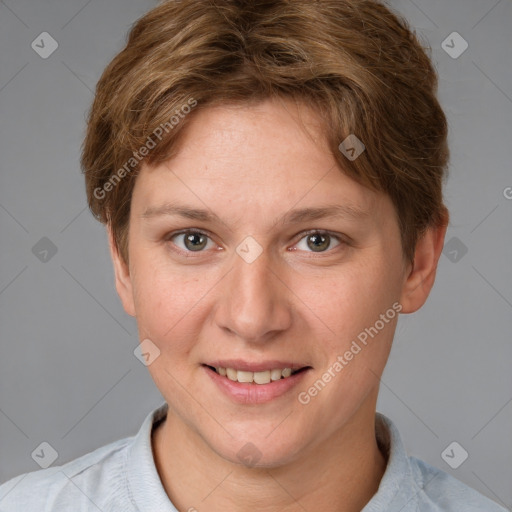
x=354 y=61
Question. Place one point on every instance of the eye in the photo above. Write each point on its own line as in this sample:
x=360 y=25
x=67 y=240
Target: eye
x=318 y=241
x=193 y=241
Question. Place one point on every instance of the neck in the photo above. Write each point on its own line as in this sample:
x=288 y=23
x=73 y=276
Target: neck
x=341 y=473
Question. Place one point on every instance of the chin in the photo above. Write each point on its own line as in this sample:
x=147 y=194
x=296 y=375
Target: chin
x=258 y=452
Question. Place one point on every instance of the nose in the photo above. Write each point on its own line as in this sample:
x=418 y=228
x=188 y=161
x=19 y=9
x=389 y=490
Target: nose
x=254 y=304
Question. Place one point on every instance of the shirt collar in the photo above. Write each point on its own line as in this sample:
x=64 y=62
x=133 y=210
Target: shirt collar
x=144 y=484
x=396 y=489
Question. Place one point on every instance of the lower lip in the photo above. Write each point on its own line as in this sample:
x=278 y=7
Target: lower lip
x=245 y=393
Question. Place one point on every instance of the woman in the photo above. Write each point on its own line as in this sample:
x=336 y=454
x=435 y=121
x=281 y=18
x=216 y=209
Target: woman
x=270 y=174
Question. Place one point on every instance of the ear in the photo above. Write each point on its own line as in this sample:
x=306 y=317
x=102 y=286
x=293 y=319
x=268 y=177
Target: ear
x=122 y=276
x=422 y=273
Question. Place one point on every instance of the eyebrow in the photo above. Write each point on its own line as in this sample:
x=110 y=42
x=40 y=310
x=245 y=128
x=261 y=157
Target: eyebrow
x=291 y=217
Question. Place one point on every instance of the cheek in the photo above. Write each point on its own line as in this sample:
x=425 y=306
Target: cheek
x=168 y=303
x=352 y=299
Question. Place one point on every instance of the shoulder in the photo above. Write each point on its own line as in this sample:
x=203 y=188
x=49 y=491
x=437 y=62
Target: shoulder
x=439 y=491
x=76 y=485
x=412 y=485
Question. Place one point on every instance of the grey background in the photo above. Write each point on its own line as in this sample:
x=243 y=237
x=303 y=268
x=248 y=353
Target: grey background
x=68 y=375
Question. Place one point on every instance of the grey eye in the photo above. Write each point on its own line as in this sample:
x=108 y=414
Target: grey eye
x=192 y=240
x=317 y=242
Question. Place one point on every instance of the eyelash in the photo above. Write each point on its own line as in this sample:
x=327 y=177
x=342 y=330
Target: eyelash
x=302 y=235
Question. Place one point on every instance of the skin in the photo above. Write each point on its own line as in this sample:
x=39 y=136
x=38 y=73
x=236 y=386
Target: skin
x=250 y=165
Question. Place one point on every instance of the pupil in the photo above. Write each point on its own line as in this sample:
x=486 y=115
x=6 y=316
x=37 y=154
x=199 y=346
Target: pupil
x=191 y=239
x=320 y=242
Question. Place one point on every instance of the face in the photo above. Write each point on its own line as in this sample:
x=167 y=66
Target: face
x=251 y=250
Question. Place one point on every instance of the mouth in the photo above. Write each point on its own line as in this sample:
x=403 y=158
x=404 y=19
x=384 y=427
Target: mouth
x=261 y=377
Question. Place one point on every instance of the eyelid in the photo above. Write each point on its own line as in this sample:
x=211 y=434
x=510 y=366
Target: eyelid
x=197 y=231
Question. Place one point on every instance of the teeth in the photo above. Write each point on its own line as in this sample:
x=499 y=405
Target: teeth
x=261 y=377
x=264 y=377
x=232 y=374
x=245 y=376
x=275 y=374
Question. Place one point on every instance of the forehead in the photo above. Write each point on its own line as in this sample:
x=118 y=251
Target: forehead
x=275 y=132
x=263 y=158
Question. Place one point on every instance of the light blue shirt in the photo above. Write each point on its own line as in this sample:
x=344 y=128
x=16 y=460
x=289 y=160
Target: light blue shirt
x=122 y=477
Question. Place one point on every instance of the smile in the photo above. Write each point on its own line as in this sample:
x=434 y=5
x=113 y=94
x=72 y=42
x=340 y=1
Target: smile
x=261 y=377
x=255 y=387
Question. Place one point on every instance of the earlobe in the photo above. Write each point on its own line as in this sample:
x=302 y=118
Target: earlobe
x=421 y=277
x=122 y=276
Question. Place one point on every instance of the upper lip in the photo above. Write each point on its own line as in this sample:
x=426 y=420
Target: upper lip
x=261 y=366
